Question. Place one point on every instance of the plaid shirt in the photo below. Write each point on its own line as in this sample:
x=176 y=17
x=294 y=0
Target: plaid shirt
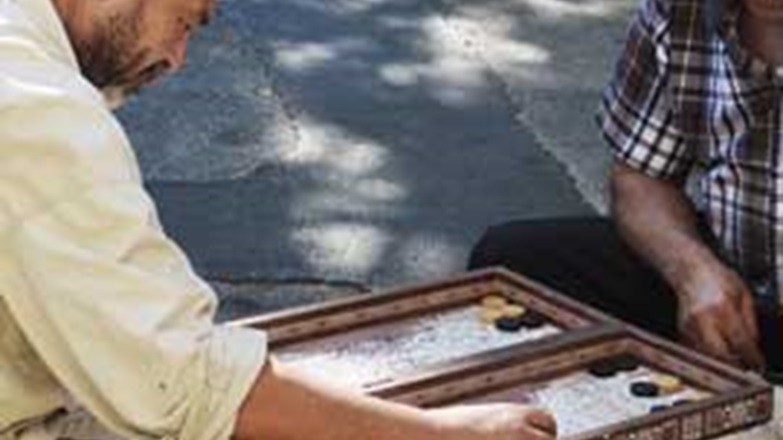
x=684 y=99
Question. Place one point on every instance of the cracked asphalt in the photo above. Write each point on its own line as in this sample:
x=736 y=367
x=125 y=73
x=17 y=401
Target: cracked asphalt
x=339 y=147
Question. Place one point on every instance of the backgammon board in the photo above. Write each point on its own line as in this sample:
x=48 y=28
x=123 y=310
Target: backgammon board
x=494 y=336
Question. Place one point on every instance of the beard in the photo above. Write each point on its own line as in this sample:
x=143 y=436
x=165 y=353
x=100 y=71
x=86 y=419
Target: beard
x=113 y=61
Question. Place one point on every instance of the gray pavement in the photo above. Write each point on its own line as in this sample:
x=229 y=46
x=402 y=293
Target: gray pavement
x=316 y=148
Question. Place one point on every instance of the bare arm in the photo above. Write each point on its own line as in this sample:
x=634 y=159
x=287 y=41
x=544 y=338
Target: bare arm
x=660 y=223
x=286 y=405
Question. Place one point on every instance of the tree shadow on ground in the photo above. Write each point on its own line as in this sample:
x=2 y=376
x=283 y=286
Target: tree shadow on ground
x=361 y=140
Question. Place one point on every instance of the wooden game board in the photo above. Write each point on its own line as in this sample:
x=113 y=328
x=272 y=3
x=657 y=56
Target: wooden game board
x=426 y=346
x=721 y=400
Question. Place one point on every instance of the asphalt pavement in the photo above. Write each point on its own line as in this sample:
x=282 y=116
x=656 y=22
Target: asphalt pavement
x=312 y=149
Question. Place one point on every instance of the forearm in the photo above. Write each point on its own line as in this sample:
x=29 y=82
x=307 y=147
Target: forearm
x=659 y=222
x=284 y=405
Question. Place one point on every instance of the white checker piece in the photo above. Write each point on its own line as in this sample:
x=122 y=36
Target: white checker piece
x=367 y=356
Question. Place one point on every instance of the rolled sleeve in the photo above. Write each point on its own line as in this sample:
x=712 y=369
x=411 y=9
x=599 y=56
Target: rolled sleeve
x=636 y=116
x=112 y=307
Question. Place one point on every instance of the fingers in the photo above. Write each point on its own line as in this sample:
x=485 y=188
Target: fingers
x=748 y=311
x=706 y=336
x=724 y=335
x=718 y=317
x=747 y=351
x=741 y=340
x=542 y=421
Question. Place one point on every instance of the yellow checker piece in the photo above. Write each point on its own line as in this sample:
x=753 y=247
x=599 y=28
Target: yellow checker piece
x=668 y=384
x=494 y=302
x=490 y=316
x=514 y=311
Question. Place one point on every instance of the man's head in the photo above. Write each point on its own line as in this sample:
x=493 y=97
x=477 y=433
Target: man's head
x=123 y=45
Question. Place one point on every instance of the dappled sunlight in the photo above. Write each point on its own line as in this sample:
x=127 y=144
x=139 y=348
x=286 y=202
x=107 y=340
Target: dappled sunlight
x=346 y=247
x=397 y=23
x=451 y=74
x=563 y=8
x=358 y=6
x=380 y=190
x=430 y=255
x=346 y=166
x=342 y=7
x=507 y=33
x=373 y=140
x=365 y=197
x=333 y=147
x=553 y=10
x=500 y=45
x=305 y=56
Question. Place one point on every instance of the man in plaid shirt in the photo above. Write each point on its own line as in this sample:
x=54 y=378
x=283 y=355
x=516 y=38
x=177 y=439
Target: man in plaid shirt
x=695 y=93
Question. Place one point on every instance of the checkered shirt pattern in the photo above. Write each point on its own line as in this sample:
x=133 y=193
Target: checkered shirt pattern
x=684 y=102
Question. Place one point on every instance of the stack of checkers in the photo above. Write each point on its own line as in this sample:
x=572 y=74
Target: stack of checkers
x=509 y=317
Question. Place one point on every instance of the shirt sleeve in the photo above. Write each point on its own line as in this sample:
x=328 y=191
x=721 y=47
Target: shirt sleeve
x=636 y=116
x=106 y=299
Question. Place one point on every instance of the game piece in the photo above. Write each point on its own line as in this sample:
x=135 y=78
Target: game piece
x=509 y=325
x=645 y=389
x=532 y=320
x=612 y=366
x=514 y=311
x=668 y=384
x=490 y=316
x=658 y=408
x=627 y=363
x=494 y=302
x=603 y=369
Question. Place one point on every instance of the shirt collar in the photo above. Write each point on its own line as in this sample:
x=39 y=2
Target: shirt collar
x=44 y=16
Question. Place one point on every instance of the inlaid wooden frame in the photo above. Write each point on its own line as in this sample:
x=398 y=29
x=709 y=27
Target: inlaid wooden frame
x=738 y=401
x=321 y=320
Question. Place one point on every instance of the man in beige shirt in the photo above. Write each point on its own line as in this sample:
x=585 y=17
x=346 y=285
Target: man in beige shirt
x=102 y=320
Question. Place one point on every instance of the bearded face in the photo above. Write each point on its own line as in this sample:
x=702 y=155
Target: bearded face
x=115 y=60
x=123 y=45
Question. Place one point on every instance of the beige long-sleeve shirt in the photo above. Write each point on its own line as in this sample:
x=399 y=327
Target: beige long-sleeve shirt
x=96 y=303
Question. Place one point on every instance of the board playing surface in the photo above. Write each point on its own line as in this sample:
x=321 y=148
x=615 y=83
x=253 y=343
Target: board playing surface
x=493 y=336
x=582 y=402
x=367 y=356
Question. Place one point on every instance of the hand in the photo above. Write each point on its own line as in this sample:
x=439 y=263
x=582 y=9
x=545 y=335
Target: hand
x=717 y=316
x=495 y=422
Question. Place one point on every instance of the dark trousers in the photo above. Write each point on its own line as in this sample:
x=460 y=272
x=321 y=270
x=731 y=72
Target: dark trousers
x=586 y=259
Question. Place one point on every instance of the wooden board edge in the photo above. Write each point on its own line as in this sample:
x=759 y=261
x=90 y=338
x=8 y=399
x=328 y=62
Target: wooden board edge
x=369 y=299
